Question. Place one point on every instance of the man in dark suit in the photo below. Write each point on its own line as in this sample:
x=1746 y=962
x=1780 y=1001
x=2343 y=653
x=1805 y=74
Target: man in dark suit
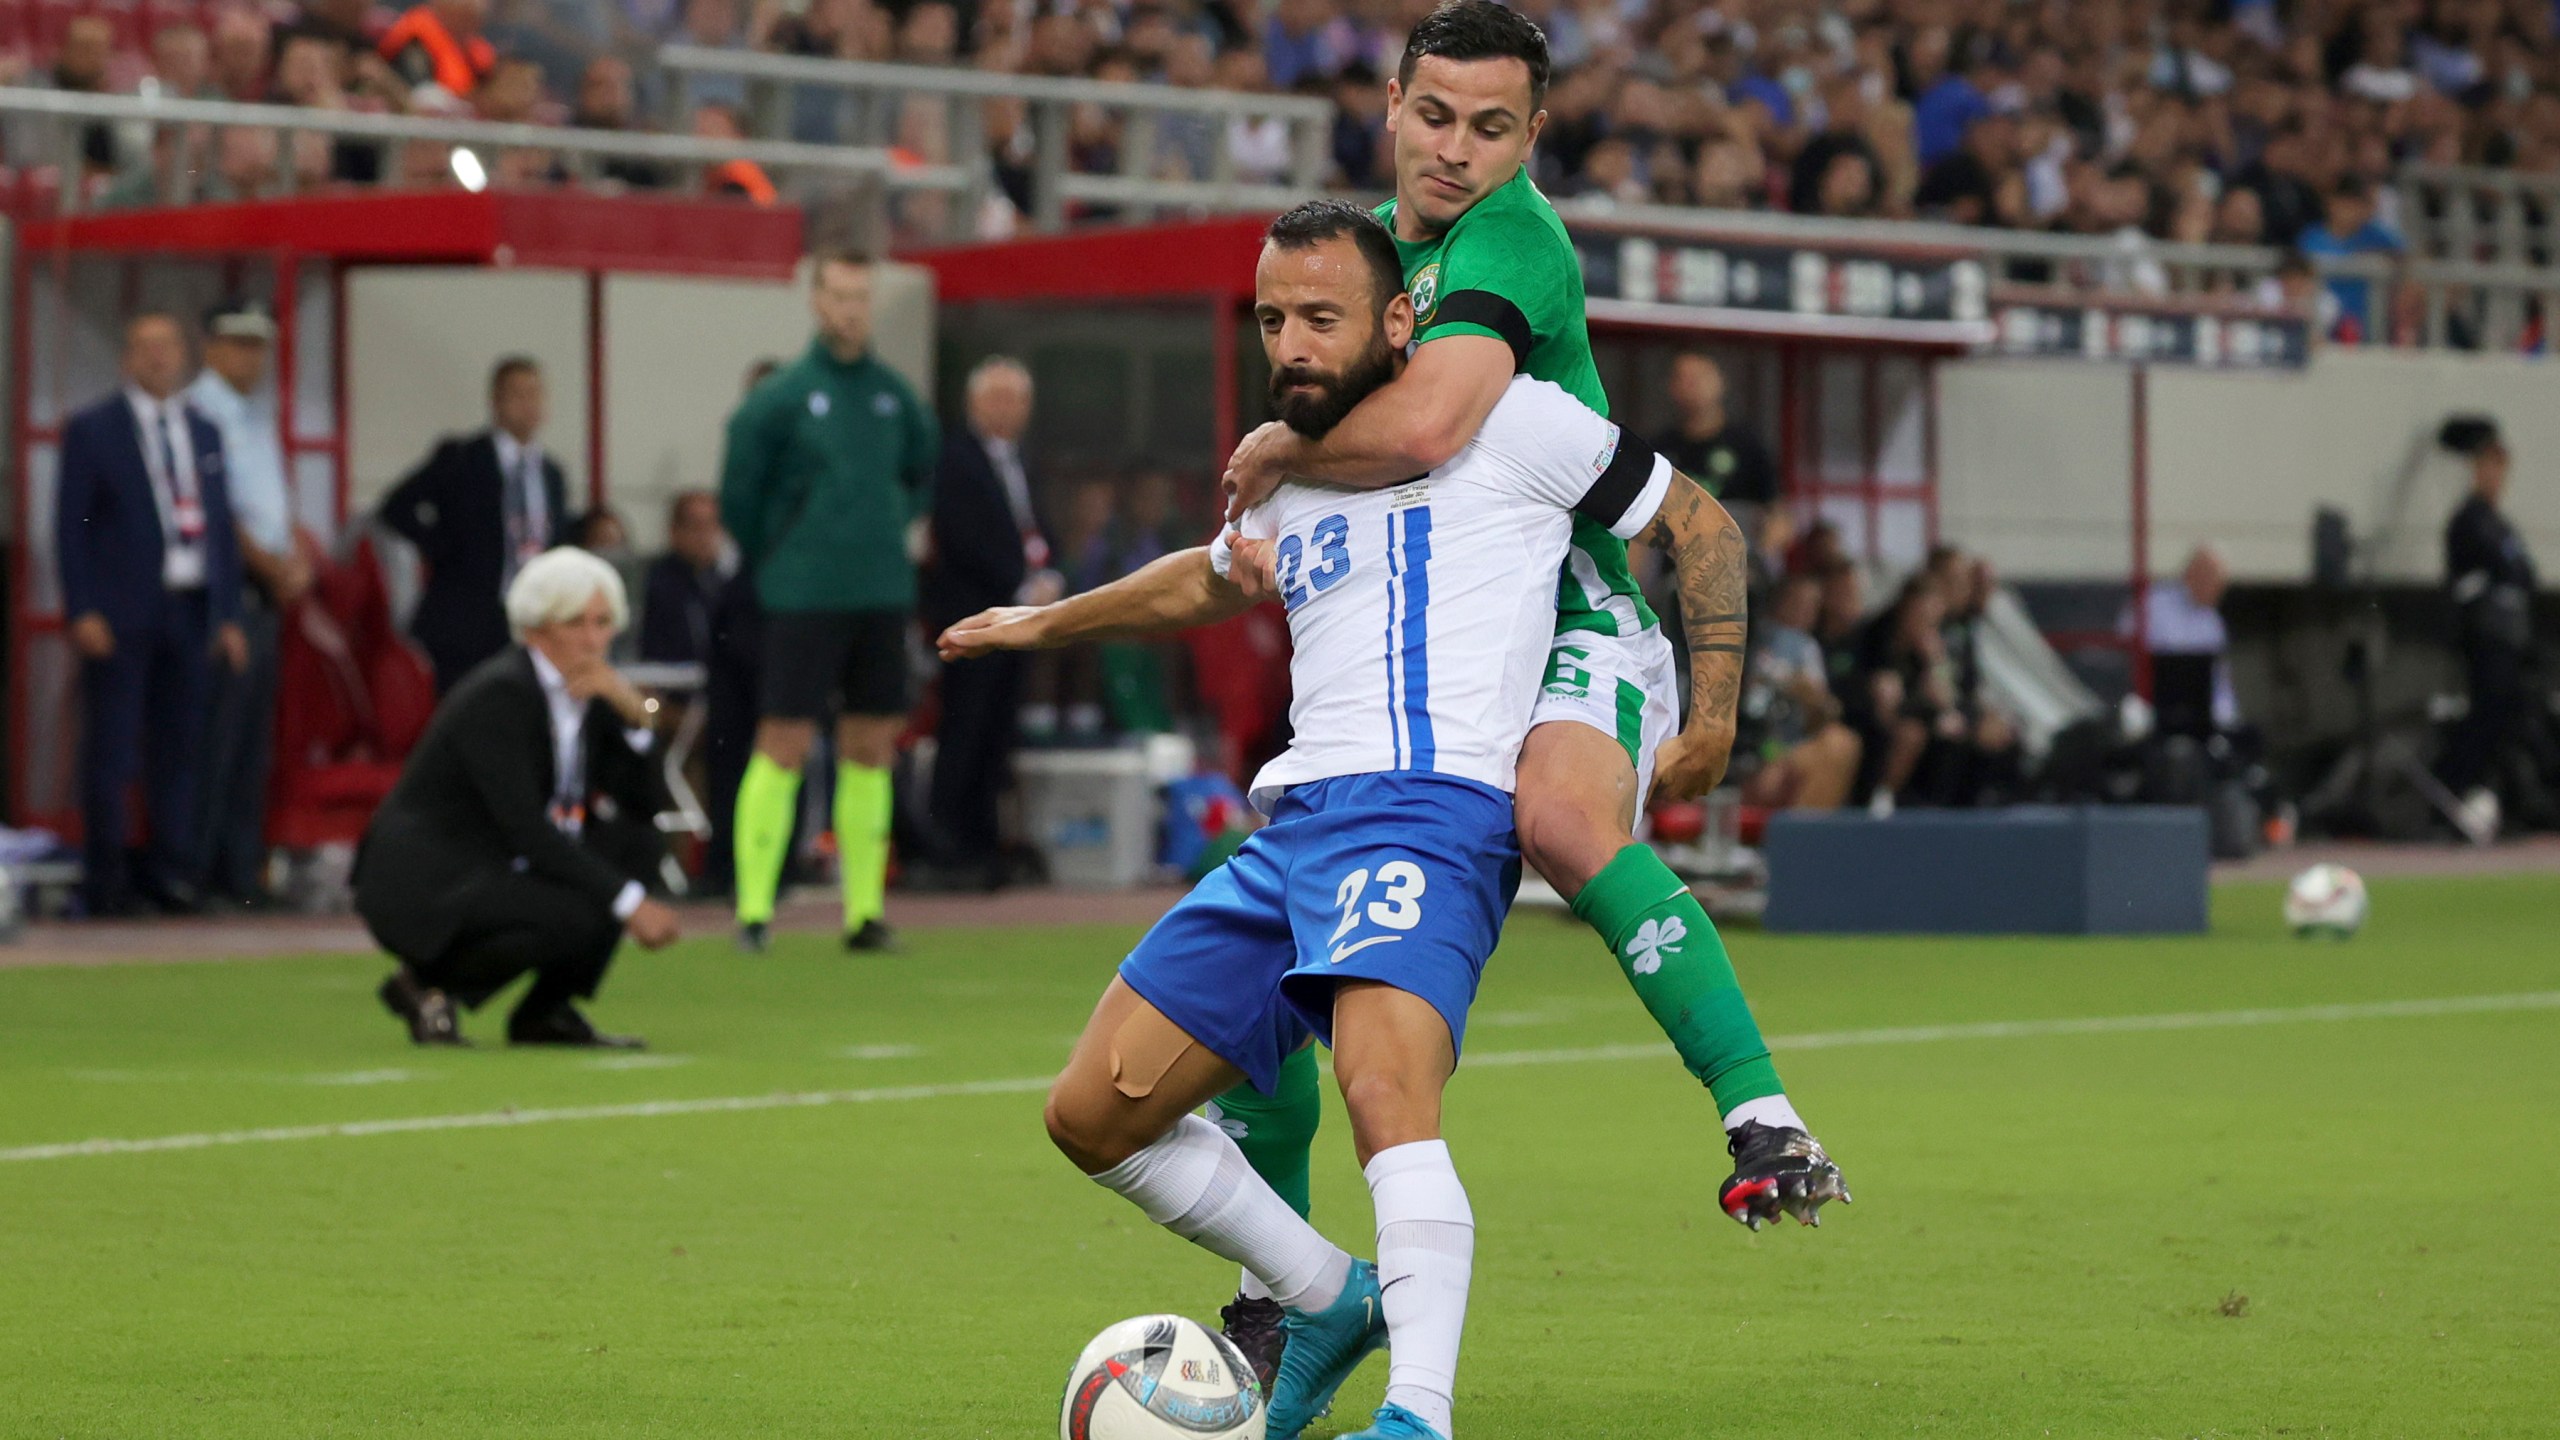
x=681 y=594
x=521 y=836
x=150 y=568
x=989 y=549
x=478 y=509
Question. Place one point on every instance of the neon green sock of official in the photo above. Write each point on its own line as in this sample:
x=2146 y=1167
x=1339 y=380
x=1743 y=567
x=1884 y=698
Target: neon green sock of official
x=1672 y=955
x=862 y=840
x=1277 y=1132
x=768 y=800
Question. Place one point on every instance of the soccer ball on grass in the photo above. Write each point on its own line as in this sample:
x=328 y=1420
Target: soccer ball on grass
x=2325 y=900
x=1161 y=1377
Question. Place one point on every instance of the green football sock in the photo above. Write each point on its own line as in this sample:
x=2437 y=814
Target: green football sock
x=862 y=840
x=768 y=799
x=1671 y=953
x=1277 y=1132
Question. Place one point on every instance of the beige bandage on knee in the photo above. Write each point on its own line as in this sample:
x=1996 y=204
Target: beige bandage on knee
x=1145 y=1047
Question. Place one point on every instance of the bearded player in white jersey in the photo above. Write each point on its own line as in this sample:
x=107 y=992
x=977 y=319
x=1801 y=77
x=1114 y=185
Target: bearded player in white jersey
x=1363 y=914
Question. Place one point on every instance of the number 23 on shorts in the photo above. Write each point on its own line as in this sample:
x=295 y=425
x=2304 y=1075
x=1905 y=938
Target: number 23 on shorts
x=1397 y=909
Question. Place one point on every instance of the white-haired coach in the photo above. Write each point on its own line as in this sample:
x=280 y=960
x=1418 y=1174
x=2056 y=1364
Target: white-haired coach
x=521 y=837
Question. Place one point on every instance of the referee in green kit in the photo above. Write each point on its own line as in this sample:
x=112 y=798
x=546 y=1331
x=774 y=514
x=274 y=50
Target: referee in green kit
x=828 y=460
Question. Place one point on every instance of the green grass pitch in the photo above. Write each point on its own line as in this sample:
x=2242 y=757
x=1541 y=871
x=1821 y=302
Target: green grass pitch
x=2334 y=1224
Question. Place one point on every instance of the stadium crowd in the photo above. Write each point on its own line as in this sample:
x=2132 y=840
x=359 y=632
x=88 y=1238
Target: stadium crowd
x=2246 y=121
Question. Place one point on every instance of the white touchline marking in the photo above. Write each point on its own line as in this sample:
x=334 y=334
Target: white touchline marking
x=361 y=1077
x=638 y=1062
x=2095 y=1025
x=881 y=1052
x=492 y=1119
x=1818 y=1040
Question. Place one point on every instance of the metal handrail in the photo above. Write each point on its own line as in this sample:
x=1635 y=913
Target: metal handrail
x=987 y=84
x=875 y=166
x=1056 y=184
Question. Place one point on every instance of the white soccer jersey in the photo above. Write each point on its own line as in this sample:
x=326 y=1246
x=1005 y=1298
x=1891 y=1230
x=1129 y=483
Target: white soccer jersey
x=1421 y=615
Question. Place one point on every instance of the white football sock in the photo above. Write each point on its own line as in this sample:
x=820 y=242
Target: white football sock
x=1770 y=1110
x=1252 y=1288
x=1196 y=1183
x=1426 y=1255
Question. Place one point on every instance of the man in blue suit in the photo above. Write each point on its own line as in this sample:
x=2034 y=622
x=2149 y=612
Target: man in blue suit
x=150 y=567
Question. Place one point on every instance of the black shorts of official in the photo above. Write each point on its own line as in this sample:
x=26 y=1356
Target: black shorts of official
x=819 y=663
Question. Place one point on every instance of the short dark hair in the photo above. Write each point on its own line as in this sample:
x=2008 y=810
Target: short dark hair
x=685 y=499
x=1480 y=30
x=1316 y=221
x=820 y=259
x=508 y=368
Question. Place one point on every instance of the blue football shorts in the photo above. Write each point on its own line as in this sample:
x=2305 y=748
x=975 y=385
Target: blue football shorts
x=1401 y=877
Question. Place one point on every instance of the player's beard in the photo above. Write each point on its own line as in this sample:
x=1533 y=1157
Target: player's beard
x=1314 y=415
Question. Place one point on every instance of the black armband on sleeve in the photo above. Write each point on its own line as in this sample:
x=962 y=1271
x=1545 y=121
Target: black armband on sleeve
x=1620 y=483
x=1483 y=307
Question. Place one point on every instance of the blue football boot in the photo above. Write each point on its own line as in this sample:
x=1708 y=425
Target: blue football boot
x=1323 y=1349
x=1394 y=1422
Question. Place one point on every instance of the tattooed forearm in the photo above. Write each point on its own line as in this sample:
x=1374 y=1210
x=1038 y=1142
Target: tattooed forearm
x=1713 y=565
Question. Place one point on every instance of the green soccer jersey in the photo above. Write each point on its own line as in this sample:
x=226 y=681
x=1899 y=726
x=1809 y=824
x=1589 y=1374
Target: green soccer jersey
x=1506 y=270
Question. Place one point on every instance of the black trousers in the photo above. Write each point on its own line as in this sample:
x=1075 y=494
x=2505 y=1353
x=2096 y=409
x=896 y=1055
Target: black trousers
x=2500 y=707
x=973 y=753
x=518 y=923
x=141 y=716
x=734 y=672
x=239 y=744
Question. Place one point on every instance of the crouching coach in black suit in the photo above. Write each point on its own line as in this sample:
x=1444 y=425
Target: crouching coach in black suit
x=521 y=837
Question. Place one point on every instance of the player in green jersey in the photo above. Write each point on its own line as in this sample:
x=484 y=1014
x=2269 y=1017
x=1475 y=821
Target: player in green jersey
x=1497 y=291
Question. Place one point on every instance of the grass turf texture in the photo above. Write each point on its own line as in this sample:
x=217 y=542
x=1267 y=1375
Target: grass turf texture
x=2053 y=1234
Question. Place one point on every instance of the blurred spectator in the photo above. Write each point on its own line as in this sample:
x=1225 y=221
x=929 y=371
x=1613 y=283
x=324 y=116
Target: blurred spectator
x=2288 y=202
x=240 y=50
x=348 y=24
x=1945 y=103
x=1257 y=146
x=1359 y=143
x=601 y=533
x=1801 y=756
x=1837 y=172
x=317 y=68
x=148 y=554
x=1709 y=447
x=1908 y=713
x=682 y=593
x=1187 y=141
x=710 y=25
x=606 y=101
x=2182 y=621
x=478 y=508
x=231 y=835
x=1979 y=183
x=742 y=178
x=2490 y=578
x=83 y=56
x=439 y=44
x=930 y=34
x=510 y=93
x=181 y=65
x=1839 y=625
x=990 y=548
x=2349 y=228
x=1303 y=38
x=80 y=67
